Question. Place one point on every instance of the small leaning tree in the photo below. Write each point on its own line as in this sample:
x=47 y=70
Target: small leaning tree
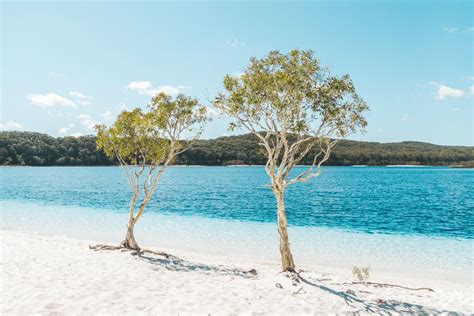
x=294 y=107
x=145 y=143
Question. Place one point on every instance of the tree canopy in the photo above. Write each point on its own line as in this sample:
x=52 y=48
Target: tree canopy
x=146 y=142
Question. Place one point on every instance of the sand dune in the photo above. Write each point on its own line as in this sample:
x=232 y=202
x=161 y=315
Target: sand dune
x=56 y=275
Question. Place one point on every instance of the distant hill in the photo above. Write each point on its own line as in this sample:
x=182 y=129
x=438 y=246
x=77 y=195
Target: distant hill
x=36 y=149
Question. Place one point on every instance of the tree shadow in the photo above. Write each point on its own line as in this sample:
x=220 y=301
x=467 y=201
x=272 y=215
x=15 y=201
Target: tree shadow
x=181 y=265
x=382 y=307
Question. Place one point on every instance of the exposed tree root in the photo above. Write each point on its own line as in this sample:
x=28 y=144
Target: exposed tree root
x=392 y=285
x=105 y=247
x=137 y=252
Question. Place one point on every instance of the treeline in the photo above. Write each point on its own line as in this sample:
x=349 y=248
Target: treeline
x=36 y=149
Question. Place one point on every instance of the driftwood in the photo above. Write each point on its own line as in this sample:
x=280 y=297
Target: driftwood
x=105 y=247
x=139 y=252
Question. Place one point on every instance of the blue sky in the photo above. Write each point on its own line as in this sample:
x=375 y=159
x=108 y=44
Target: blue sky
x=65 y=67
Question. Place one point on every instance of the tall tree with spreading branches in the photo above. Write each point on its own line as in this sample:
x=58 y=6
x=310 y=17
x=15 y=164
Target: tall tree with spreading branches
x=145 y=143
x=294 y=107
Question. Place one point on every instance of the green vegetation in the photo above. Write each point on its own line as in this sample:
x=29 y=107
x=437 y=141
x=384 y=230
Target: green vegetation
x=145 y=143
x=36 y=149
x=301 y=108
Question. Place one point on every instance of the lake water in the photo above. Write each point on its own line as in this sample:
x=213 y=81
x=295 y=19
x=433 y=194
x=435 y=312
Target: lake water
x=415 y=220
x=425 y=200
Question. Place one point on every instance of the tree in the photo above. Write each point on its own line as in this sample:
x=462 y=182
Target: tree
x=145 y=143
x=293 y=106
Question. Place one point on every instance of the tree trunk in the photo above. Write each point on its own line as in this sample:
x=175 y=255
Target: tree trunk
x=287 y=263
x=130 y=241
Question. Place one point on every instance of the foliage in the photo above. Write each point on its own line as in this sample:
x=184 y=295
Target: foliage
x=299 y=107
x=36 y=149
x=293 y=94
x=139 y=137
x=297 y=104
x=361 y=274
x=146 y=142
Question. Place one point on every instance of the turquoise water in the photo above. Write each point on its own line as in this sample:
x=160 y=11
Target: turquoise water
x=426 y=201
x=417 y=221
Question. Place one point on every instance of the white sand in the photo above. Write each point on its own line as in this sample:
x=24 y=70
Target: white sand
x=56 y=275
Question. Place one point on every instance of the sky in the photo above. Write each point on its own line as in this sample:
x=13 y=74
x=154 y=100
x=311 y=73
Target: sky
x=67 y=66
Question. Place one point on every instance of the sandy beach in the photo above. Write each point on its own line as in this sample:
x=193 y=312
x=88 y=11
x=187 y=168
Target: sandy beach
x=59 y=275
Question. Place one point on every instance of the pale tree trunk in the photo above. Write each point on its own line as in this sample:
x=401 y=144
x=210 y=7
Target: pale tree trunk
x=287 y=263
x=129 y=241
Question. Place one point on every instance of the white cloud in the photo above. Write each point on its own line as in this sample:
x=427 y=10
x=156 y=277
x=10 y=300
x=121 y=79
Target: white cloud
x=146 y=88
x=236 y=43
x=107 y=116
x=213 y=113
x=76 y=134
x=80 y=97
x=87 y=121
x=139 y=85
x=450 y=29
x=50 y=100
x=63 y=130
x=10 y=125
x=471 y=89
x=443 y=92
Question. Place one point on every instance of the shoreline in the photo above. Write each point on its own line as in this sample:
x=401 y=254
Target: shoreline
x=436 y=258
x=459 y=166
x=53 y=274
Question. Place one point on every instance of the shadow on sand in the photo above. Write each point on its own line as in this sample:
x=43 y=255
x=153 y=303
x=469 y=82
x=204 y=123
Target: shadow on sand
x=359 y=305
x=382 y=307
x=181 y=265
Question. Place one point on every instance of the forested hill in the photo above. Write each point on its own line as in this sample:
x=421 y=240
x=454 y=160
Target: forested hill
x=36 y=149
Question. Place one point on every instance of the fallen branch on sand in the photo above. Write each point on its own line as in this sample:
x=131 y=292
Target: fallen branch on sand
x=99 y=247
x=392 y=285
x=105 y=247
x=175 y=263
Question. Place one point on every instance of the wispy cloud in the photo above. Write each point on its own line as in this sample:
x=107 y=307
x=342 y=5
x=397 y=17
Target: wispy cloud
x=10 y=125
x=146 y=88
x=471 y=89
x=444 y=92
x=236 y=43
x=213 y=113
x=80 y=98
x=50 y=100
x=452 y=29
x=87 y=121
x=107 y=116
